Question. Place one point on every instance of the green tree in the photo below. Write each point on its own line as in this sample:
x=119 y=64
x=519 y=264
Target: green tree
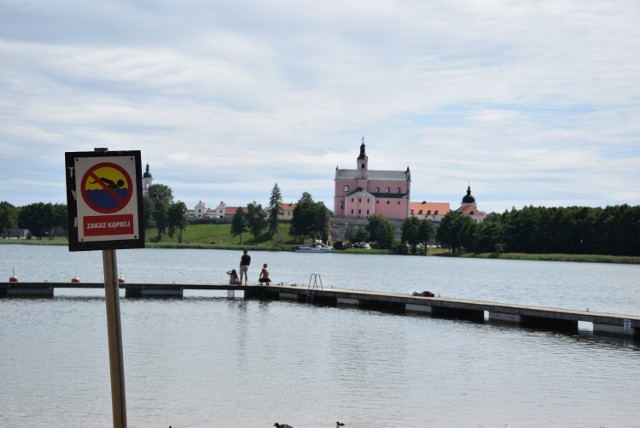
x=409 y=232
x=456 y=231
x=43 y=219
x=361 y=234
x=275 y=209
x=238 y=224
x=381 y=231
x=256 y=220
x=8 y=218
x=161 y=198
x=489 y=235
x=310 y=219
x=425 y=232
x=60 y=220
x=177 y=219
x=147 y=212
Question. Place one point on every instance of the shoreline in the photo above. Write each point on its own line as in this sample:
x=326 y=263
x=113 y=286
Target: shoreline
x=579 y=258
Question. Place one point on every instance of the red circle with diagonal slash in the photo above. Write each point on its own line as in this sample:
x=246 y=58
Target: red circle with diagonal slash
x=112 y=198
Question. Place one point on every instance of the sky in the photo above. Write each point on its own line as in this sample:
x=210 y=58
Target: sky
x=528 y=102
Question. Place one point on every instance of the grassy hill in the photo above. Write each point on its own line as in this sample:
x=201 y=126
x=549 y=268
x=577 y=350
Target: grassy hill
x=219 y=236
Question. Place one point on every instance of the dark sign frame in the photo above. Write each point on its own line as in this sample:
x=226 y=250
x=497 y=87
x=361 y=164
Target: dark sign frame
x=72 y=203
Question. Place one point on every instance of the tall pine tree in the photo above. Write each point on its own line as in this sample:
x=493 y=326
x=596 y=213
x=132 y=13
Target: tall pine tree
x=275 y=209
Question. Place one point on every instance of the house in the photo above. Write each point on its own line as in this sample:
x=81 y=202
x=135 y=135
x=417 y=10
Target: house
x=200 y=211
x=287 y=211
x=225 y=213
x=361 y=192
x=433 y=211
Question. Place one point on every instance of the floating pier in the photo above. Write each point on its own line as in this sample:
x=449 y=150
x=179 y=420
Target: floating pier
x=556 y=319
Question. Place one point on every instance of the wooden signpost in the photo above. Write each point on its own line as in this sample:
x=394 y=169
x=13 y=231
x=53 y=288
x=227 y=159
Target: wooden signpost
x=104 y=204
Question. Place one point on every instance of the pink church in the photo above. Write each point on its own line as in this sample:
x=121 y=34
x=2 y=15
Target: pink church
x=361 y=192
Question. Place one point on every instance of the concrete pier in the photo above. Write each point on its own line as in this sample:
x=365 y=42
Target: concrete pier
x=556 y=319
x=22 y=290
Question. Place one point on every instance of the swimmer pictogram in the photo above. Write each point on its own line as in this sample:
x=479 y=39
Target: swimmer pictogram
x=106 y=188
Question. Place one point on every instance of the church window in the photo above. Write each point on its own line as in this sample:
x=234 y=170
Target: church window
x=377 y=190
x=346 y=188
x=387 y=189
x=398 y=190
x=362 y=166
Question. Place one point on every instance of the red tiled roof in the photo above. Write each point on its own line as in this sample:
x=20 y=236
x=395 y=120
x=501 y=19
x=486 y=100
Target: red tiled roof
x=429 y=208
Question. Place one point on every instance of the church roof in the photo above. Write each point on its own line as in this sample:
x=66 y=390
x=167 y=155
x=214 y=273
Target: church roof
x=352 y=174
x=468 y=199
x=360 y=192
x=147 y=174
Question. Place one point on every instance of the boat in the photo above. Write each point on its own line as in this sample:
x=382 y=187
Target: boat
x=316 y=247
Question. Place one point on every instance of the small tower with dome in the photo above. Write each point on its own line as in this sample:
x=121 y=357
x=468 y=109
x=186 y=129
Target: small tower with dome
x=147 y=180
x=469 y=208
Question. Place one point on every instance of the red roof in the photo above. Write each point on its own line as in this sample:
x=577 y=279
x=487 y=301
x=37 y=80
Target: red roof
x=429 y=208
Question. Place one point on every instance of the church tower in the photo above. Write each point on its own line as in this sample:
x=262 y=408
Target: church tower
x=469 y=208
x=147 y=180
x=363 y=162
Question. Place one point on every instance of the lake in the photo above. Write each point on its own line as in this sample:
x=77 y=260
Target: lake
x=210 y=361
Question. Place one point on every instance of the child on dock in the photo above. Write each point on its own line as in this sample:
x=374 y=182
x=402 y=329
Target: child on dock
x=233 y=277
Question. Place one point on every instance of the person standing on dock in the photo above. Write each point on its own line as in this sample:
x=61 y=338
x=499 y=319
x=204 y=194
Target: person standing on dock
x=245 y=261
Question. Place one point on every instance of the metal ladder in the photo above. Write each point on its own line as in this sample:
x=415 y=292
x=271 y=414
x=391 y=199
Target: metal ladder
x=315 y=283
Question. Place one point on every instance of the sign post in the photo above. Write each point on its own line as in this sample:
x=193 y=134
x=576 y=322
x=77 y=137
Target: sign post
x=104 y=204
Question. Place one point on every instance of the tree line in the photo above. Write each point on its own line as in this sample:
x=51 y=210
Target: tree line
x=614 y=230
x=310 y=219
x=43 y=220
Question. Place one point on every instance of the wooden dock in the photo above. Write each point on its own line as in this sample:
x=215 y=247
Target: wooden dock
x=547 y=318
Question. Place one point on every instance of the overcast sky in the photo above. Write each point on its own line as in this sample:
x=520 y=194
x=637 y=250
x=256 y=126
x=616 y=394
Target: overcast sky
x=529 y=102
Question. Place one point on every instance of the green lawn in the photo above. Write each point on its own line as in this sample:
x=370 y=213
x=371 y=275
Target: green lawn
x=219 y=236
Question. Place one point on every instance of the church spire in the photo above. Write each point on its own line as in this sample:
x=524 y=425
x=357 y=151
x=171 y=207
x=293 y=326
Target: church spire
x=363 y=155
x=362 y=162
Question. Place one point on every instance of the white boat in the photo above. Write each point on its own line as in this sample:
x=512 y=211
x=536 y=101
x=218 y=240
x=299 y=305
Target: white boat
x=316 y=247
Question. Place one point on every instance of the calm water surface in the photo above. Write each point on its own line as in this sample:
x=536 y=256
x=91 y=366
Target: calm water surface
x=210 y=361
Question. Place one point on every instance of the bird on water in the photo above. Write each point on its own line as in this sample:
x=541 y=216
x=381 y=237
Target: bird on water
x=277 y=425
x=339 y=424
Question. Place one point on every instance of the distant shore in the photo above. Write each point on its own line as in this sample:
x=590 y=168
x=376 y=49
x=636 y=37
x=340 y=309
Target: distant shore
x=582 y=258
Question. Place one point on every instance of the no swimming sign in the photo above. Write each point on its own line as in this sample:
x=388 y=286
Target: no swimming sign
x=104 y=200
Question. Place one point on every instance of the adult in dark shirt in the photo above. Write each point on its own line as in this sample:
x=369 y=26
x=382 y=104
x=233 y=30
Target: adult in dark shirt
x=245 y=261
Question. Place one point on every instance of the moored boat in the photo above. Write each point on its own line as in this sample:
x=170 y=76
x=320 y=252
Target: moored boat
x=316 y=247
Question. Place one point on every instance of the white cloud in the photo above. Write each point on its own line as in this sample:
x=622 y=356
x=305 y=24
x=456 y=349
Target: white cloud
x=530 y=102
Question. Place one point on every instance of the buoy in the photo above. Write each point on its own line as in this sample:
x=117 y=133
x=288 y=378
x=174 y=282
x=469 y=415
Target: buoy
x=121 y=280
x=75 y=279
x=13 y=278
